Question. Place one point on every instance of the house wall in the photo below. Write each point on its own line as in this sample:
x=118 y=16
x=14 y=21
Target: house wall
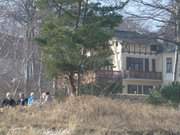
x=121 y=52
x=168 y=77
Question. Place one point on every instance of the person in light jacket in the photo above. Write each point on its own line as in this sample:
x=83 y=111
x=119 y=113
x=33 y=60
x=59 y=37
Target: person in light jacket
x=31 y=99
x=48 y=98
x=43 y=97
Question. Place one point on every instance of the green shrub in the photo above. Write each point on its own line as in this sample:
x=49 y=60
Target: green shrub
x=156 y=98
x=168 y=94
x=89 y=89
x=172 y=92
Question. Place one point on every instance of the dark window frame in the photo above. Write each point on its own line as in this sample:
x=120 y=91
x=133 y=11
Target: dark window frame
x=169 y=65
x=135 y=64
x=154 y=48
x=132 y=89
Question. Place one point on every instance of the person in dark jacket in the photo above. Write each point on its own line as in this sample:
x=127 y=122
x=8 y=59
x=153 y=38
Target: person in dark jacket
x=22 y=100
x=8 y=101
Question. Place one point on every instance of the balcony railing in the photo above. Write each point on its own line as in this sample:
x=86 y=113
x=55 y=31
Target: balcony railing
x=109 y=75
x=140 y=52
x=119 y=75
x=143 y=75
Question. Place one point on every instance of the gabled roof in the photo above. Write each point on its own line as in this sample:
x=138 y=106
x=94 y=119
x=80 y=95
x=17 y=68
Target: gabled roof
x=135 y=38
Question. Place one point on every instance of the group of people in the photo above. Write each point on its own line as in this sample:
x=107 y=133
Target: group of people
x=23 y=101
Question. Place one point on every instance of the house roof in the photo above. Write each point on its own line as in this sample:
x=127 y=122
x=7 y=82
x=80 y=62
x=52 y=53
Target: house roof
x=135 y=38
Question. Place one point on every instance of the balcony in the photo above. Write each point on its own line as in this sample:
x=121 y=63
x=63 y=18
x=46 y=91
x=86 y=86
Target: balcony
x=109 y=75
x=143 y=75
x=119 y=75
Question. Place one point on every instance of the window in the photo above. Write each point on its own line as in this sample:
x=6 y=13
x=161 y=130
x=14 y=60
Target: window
x=141 y=49
x=126 y=48
x=147 y=89
x=134 y=64
x=140 y=89
x=153 y=48
x=132 y=89
x=108 y=68
x=168 y=65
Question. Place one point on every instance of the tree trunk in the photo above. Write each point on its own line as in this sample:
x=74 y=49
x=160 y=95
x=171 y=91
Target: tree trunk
x=79 y=83
x=176 y=63
x=55 y=84
x=27 y=56
x=79 y=14
x=177 y=38
x=40 y=74
x=72 y=83
x=27 y=77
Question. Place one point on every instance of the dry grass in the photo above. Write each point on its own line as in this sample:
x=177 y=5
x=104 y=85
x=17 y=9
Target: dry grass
x=92 y=115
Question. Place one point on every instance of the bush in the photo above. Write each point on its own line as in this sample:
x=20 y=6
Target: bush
x=156 y=98
x=172 y=92
x=89 y=89
x=167 y=94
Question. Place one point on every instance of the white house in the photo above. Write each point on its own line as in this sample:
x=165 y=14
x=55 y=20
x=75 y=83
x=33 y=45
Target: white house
x=144 y=64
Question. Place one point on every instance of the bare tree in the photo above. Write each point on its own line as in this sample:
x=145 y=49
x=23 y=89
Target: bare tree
x=11 y=75
x=163 y=13
x=19 y=18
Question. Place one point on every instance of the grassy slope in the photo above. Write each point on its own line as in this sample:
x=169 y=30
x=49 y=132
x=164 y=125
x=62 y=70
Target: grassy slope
x=94 y=115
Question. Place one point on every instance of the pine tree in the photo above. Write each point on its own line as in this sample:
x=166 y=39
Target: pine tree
x=75 y=36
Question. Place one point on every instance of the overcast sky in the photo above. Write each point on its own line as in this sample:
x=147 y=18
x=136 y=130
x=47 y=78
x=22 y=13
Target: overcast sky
x=135 y=8
x=140 y=9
